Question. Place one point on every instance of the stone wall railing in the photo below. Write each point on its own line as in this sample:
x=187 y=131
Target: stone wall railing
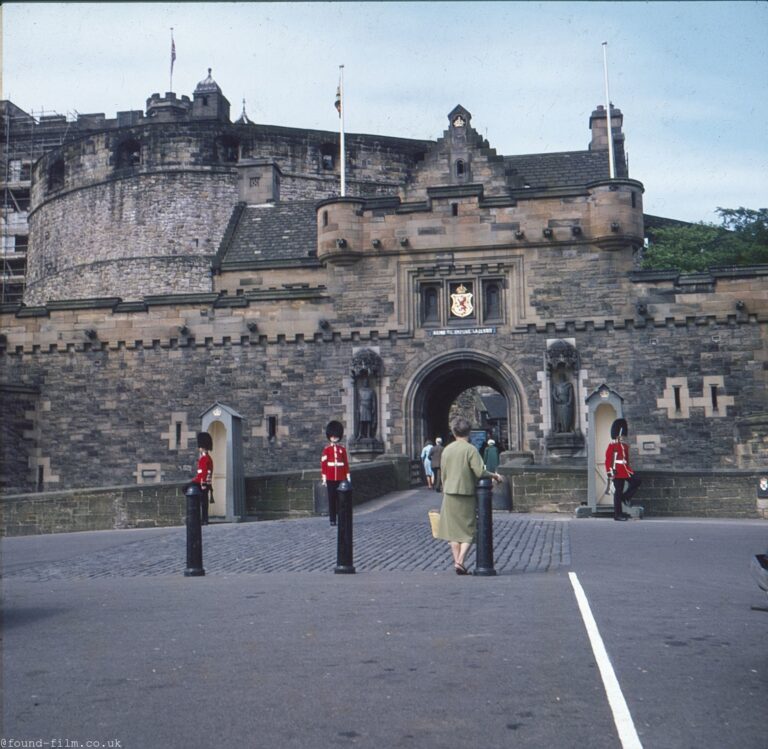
x=716 y=494
x=279 y=495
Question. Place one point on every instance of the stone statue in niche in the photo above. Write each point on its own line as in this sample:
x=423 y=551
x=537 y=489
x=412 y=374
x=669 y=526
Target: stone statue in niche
x=563 y=407
x=565 y=439
x=366 y=409
x=366 y=378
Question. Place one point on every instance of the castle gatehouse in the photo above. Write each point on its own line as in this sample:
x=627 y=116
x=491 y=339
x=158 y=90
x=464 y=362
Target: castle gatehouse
x=179 y=259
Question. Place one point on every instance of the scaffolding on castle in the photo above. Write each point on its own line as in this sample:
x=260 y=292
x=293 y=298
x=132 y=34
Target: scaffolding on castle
x=23 y=142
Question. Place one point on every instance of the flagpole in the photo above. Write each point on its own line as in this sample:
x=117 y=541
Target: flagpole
x=342 y=149
x=611 y=161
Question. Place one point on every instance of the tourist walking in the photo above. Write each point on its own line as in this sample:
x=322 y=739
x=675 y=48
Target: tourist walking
x=461 y=467
x=435 y=459
x=426 y=461
x=491 y=456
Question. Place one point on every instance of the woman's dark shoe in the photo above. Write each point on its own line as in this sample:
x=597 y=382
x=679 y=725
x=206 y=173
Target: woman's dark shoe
x=461 y=569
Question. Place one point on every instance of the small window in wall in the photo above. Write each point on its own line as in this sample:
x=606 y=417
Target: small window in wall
x=325 y=218
x=228 y=149
x=678 y=402
x=460 y=168
x=272 y=428
x=328 y=156
x=56 y=175
x=713 y=395
x=178 y=435
x=430 y=304
x=454 y=209
x=492 y=305
x=128 y=154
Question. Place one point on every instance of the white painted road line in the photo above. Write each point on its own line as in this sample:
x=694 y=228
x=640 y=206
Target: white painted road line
x=621 y=717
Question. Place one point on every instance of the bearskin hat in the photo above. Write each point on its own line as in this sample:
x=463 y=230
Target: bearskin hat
x=334 y=429
x=619 y=428
x=204 y=440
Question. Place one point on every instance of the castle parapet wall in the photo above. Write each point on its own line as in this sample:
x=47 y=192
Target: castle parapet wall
x=608 y=215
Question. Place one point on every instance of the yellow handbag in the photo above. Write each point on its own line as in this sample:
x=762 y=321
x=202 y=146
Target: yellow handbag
x=434 y=520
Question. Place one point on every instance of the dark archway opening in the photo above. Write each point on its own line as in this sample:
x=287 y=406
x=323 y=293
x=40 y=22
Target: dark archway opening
x=478 y=387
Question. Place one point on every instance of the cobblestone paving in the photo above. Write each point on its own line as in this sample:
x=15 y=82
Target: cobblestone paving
x=394 y=536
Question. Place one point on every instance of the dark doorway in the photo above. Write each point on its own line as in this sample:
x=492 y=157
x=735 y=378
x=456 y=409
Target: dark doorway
x=447 y=381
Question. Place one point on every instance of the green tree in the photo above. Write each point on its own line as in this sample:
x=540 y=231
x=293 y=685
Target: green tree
x=740 y=239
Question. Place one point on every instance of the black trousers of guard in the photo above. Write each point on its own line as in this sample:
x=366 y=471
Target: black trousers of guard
x=333 y=500
x=623 y=491
x=204 y=497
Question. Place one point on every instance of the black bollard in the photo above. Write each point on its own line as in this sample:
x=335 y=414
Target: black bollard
x=194 y=533
x=484 y=564
x=344 y=544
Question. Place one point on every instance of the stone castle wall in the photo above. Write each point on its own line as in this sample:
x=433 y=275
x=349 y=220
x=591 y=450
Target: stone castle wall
x=111 y=228
x=130 y=236
x=131 y=397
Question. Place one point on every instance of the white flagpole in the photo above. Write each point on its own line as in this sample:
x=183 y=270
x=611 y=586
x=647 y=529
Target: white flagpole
x=342 y=149
x=611 y=161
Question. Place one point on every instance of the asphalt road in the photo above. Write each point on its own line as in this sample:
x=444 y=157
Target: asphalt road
x=104 y=640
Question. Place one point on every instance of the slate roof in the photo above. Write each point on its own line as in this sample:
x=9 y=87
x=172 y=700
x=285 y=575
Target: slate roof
x=543 y=170
x=273 y=233
x=496 y=405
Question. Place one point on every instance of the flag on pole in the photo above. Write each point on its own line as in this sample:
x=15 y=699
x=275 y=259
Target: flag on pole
x=337 y=103
x=173 y=60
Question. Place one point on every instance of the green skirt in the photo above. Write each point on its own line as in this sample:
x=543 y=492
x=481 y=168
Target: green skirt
x=458 y=518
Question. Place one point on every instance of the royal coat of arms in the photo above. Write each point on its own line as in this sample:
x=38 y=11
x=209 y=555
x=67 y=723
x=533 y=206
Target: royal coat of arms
x=461 y=302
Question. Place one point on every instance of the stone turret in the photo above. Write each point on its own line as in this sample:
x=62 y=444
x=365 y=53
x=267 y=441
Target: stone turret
x=168 y=108
x=208 y=102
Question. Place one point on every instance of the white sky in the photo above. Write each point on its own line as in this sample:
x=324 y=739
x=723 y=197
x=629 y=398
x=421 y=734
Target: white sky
x=691 y=78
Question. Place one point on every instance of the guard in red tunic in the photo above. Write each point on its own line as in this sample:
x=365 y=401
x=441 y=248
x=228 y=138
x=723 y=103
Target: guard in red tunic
x=204 y=475
x=334 y=466
x=618 y=469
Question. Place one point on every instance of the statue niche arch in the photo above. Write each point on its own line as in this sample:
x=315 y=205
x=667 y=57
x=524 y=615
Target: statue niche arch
x=432 y=390
x=366 y=370
x=565 y=438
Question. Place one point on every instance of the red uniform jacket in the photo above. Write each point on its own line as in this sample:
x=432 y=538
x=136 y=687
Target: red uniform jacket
x=204 y=470
x=334 y=464
x=617 y=461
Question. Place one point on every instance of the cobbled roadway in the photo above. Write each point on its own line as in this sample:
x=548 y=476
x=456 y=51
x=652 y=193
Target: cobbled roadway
x=390 y=534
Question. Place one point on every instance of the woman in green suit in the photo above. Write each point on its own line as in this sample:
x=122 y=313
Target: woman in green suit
x=461 y=467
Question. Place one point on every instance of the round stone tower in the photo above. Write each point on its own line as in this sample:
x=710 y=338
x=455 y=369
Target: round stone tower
x=135 y=210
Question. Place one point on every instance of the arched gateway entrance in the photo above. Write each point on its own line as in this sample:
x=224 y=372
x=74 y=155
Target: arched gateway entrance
x=436 y=386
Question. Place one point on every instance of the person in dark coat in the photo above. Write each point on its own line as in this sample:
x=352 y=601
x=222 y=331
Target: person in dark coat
x=491 y=456
x=618 y=469
x=435 y=459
